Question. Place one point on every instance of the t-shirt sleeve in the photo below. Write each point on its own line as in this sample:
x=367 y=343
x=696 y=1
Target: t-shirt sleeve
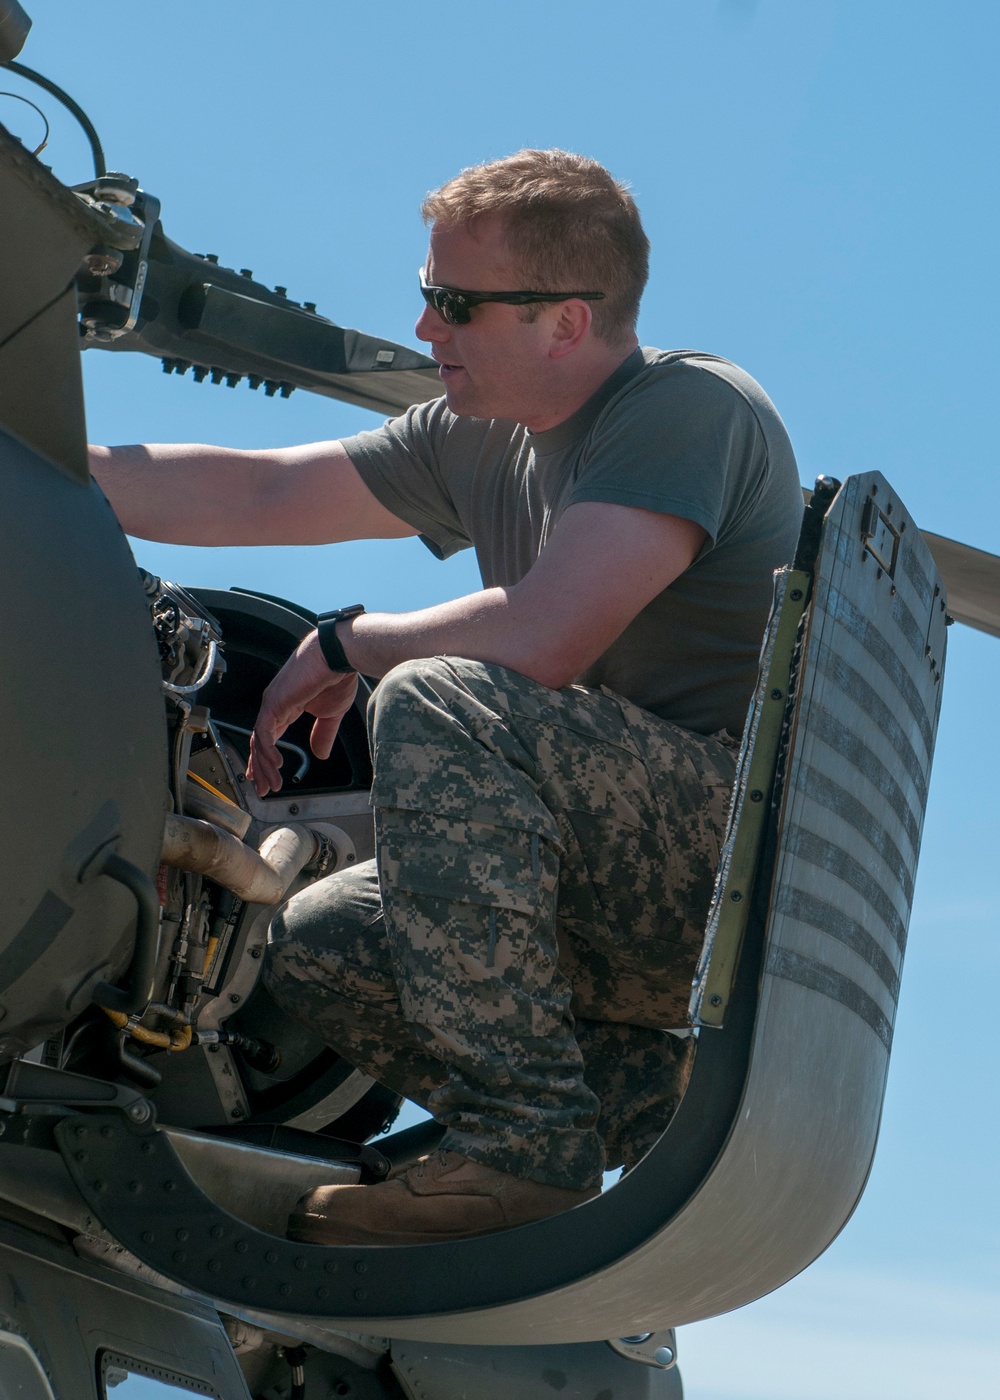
x=671 y=445
x=401 y=463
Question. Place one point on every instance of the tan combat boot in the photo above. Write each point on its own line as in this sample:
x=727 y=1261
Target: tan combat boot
x=443 y=1197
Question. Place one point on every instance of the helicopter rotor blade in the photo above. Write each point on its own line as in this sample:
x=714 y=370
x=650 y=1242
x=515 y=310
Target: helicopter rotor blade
x=972 y=578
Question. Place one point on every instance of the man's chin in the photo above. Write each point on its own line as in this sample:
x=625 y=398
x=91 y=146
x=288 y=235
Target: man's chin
x=460 y=398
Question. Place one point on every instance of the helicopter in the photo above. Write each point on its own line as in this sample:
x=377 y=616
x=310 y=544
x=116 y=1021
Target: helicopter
x=217 y=323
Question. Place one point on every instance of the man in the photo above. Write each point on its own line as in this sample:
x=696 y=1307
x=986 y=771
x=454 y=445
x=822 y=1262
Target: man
x=553 y=756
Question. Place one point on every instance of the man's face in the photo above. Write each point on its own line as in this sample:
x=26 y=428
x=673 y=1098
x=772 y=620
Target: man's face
x=496 y=366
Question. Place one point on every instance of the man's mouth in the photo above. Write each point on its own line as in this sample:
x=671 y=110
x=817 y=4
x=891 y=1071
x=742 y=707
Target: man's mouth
x=445 y=369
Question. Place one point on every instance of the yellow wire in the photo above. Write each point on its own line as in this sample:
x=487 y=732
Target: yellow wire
x=174 y=1040
x=213 y=790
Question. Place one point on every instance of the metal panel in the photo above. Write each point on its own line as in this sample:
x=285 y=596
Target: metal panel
x=70 y=1312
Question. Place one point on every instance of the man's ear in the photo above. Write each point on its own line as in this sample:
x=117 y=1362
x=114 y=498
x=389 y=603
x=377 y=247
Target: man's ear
x=570 y=328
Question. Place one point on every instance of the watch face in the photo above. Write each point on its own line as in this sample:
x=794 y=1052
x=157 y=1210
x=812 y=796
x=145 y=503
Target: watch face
x=339 y=614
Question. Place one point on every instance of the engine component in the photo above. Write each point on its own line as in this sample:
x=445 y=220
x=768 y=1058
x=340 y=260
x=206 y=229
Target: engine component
x=259 y=877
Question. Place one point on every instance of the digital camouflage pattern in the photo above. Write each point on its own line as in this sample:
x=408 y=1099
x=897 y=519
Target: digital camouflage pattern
x=532 y=920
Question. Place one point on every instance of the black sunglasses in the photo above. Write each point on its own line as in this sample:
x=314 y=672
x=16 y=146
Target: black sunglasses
x=455 y=306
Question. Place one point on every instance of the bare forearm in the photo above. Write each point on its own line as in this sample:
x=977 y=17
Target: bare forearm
x=487 y=626
x=566 y=611
x=181 y=493
x=190 y=493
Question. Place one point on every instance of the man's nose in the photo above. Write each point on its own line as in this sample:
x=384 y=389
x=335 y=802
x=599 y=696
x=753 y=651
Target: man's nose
x=431 y=325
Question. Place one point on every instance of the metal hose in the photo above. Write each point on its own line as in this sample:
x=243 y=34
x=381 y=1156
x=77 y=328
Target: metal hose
x=260 y=877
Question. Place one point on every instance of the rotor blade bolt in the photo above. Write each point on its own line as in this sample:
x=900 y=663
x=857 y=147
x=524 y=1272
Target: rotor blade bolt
x=287 y=390
x=200 y=373
x=309 y=306
x=212 y=257
x=281 y=291
x=254 y=381
x=246 y=272
x=271 y=387
x=233 y=379
x=217 y=375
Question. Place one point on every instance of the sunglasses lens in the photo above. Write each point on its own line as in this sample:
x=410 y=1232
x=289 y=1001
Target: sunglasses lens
x=454 y=308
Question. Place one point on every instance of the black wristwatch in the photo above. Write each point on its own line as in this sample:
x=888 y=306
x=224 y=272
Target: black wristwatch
x=329 y=642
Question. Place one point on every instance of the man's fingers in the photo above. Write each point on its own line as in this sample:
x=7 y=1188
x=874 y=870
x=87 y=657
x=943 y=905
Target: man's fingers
x=304 y=684
x=323 y=734
x=264 y=767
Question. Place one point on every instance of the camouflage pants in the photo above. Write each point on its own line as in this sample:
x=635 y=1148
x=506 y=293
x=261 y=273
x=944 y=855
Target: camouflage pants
x=544 y=866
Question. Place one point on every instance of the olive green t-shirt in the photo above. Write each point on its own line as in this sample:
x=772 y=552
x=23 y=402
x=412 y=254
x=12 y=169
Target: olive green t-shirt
x=680 y=432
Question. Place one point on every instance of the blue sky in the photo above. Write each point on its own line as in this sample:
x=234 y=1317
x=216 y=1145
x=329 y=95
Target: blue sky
x=819 y=184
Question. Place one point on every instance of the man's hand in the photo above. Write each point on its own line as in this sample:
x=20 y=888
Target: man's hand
x=304 y=685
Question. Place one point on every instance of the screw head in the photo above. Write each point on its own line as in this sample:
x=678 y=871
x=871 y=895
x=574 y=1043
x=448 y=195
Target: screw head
x=664 y=1356
x=293 y=809
x=714 y=1000
x=756 y=795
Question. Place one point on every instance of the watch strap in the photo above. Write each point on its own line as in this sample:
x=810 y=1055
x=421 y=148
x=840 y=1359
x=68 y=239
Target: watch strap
x=329 y=642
